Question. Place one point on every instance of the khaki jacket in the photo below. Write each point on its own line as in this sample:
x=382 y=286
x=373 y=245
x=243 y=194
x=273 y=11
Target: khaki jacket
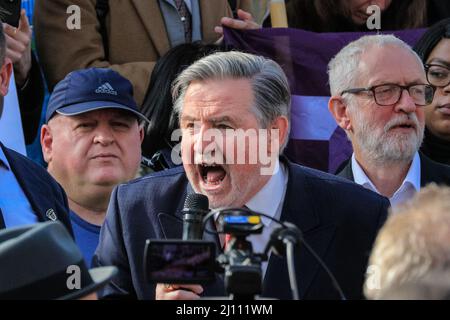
x=136 y=34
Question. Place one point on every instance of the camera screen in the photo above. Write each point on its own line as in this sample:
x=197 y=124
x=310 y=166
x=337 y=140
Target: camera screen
x=176 y=261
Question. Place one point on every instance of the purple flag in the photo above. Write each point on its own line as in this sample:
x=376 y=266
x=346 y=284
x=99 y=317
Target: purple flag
x=316 y=140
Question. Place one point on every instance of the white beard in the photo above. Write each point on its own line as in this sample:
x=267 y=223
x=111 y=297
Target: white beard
x=381 y=145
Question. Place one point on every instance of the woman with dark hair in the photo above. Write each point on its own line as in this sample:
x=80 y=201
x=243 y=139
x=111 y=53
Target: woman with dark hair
x=351 y=15
x=434 y=49
x=157 y=107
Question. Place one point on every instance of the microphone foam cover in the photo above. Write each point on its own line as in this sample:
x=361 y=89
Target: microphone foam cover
x=196 y=201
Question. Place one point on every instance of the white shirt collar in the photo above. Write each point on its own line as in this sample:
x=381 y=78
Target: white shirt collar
x=269 y=199
x=411 y=184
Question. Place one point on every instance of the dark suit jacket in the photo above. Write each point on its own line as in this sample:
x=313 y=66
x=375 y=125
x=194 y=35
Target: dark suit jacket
x=42 y=191
x=339 y=220
x=430 y=171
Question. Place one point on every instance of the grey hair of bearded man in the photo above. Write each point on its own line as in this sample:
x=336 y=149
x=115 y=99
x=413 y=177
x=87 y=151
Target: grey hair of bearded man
x=413 y=243
x=343 y=68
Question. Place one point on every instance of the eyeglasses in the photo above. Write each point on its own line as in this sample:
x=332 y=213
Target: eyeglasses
x=438 y=75
x=390 y=94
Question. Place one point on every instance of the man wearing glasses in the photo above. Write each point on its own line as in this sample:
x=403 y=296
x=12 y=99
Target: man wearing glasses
x=379 y=88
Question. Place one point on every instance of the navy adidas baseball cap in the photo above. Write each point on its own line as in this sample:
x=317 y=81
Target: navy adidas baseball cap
x=92 y=89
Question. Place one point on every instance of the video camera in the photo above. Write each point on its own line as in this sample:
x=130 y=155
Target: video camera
x=194 y=261
x=242 y=267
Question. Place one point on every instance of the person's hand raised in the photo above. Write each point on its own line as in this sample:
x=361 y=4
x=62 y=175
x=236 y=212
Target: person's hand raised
x=18 y=47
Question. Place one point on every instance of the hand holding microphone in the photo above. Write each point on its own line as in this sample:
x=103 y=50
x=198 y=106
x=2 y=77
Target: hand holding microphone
x=196 y=206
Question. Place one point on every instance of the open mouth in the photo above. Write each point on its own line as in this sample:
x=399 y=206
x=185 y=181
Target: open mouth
x=212 y=174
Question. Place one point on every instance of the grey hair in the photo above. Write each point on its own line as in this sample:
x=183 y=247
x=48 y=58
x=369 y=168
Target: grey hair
x=412 y=243
x=270 y=85
x=343 y=68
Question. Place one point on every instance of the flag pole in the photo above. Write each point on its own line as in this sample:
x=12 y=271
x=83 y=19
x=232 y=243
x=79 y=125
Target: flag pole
x=258 y=8
x=278 y=14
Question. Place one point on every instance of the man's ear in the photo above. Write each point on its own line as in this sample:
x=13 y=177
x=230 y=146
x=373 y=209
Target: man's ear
x=47 y=142
x=339 y=109
x=5 y=75
x=281 y=124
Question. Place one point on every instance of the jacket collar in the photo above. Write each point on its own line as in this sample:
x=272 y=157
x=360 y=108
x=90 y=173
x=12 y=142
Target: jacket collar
x=347 y=171
x=299 y=208
x=429 y=171
x=39 y=200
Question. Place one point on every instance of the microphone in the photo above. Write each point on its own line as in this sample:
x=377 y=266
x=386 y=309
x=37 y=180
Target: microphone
x=282 y=242
x=278 y=238
x=196 y=206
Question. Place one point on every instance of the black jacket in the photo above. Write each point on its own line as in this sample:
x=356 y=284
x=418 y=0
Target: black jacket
x=339 y=220
x=42 y=191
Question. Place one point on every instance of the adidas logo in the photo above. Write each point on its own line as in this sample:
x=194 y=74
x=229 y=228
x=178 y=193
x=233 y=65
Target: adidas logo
x=106 y=88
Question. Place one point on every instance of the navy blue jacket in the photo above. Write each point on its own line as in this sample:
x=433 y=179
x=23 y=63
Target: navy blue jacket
x=339 y=220
x=47 y=198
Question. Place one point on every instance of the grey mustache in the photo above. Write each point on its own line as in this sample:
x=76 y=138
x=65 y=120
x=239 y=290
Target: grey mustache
x=411 y=119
